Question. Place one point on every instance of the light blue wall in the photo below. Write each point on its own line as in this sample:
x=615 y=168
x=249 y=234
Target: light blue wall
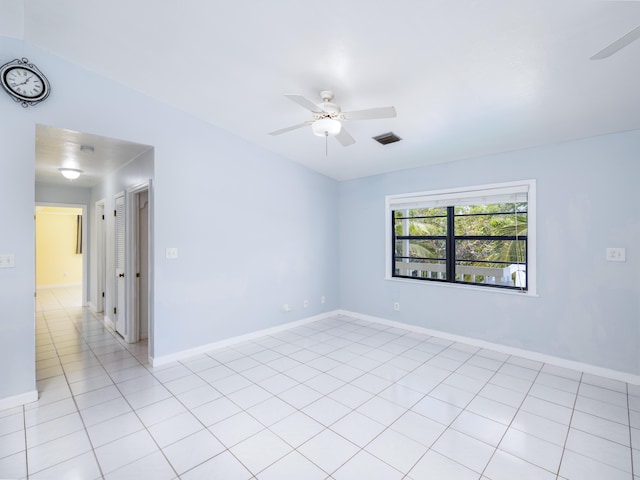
x=588 y=310
x=60 y=194
x=17 y=285
x=253 y=230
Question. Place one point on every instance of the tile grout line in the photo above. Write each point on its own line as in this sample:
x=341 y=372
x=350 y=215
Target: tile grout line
x=300 y=410
x=460 y=413
x=73 y=397
x=133 y=410
x=24 y=410
x=566 y=438
x=26 y=449
x=630 y=432
x=511 y=423
x=323 y=395
x=90 y=348
x=361 y=449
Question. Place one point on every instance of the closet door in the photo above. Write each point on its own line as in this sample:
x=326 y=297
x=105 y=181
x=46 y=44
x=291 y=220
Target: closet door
x=119 y=309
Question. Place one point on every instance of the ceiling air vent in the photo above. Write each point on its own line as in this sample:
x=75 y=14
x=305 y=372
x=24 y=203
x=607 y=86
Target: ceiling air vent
x=387 y=138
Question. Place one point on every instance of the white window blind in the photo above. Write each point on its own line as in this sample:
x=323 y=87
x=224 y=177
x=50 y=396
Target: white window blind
x=455 y=197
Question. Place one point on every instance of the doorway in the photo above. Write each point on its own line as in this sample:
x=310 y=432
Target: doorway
x=142 y=257
x=108 y=165
x=138 y=252
x=61 y=262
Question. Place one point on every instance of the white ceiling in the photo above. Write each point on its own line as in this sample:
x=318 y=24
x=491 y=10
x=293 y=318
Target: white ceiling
x=60 y=148
x=467 y=77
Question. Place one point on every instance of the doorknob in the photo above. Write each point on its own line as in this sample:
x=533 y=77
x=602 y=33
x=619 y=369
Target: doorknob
x=121 y=275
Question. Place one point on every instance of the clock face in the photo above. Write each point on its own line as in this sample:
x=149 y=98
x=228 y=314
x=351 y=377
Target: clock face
x=24 y=82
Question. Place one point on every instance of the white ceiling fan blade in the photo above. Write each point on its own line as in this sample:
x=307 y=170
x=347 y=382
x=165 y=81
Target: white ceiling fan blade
x=304 y=102
x=618 y=44
x=370 y=113
x=288 y=129
x=345 y=138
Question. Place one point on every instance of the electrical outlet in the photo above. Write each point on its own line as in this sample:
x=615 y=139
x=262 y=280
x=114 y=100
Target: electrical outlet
x=396 y=306
x=323 y=299
x=305 y=304
x=617 y=254
x=286 y=307
x=172 y=253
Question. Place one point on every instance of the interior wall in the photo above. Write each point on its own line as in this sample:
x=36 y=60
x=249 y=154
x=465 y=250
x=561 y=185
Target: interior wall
x=587 y=309
x=253 y=230
x=57 y=263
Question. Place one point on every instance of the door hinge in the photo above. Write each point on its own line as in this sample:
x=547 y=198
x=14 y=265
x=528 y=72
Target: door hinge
x=115 y=213
x=138 y=275
x=102 y=294
x=103 y=217
x=114 y=310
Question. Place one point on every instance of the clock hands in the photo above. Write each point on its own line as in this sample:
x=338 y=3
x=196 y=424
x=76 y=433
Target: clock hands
x=23 y=83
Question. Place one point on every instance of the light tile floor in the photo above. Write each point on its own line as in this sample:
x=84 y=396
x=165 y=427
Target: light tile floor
x=336 y=399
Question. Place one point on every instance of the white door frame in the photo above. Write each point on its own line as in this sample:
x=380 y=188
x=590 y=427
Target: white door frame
x=101 y=256
x=131 y=262
x=85 y=254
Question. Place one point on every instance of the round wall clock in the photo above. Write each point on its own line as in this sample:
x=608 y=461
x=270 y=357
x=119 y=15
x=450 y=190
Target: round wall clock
x=24 y=82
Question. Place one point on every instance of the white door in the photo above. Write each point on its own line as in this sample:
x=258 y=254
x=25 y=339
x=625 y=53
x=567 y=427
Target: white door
x=119 y=301
x=100 y=254
x=142 y=289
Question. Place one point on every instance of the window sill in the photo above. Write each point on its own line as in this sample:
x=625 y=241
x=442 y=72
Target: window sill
x=460 y=286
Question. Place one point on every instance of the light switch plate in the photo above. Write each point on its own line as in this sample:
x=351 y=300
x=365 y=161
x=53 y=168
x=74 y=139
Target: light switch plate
x=616 y=254
x=172 y=253
x=7 y=260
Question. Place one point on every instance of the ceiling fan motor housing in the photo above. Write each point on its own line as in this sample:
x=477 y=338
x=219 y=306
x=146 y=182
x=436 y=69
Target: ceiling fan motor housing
x=328 y=117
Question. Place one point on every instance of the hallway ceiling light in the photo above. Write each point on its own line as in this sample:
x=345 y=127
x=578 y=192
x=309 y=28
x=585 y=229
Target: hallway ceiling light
x=70 y=173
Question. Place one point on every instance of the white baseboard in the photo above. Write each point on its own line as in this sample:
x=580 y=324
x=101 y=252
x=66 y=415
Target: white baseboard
x=19 y=400
x=520 y=352
x=528 y=354
x=174 y=357
x=109 y=323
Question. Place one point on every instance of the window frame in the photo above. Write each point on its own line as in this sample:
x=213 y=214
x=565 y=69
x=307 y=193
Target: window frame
x=450 y=195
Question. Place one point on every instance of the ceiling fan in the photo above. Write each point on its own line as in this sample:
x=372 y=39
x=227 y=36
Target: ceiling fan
x=327 y=117
x=619 y=44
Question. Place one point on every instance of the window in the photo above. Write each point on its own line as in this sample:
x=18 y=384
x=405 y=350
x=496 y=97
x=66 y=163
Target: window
x=482 y=235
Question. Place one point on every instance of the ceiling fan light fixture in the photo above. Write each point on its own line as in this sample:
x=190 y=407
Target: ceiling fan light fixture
x=326 y=127
x=70 y=173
